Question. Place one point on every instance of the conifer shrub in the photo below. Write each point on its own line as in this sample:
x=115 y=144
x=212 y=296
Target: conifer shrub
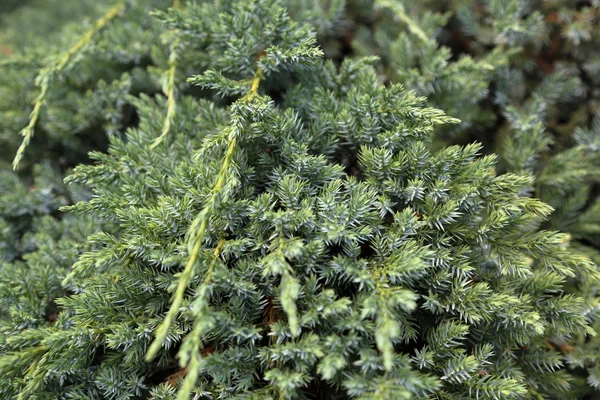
x=523 y=78
x=275 y=205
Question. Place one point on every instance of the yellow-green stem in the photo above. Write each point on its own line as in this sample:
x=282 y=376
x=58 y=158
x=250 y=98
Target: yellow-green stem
x=211 y=268
x=50 y=72
x=403 y=16
x=27 y=132
x=186 y=275
x=198 y=239
x=255 y=82
x=190 y=379
x=99 y=25
x=171 y=105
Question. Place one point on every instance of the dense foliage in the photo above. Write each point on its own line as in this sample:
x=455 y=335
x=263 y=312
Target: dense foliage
x=287 y=199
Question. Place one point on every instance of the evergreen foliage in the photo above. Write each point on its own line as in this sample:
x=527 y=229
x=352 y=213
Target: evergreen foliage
x=263 y=199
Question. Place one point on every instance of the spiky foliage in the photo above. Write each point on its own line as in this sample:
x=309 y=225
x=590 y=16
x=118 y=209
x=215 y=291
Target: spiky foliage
x=523 y=77
x=284 y=226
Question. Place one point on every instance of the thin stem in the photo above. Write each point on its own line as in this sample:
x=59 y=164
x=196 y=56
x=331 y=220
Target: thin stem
x=255 y=82
x=183 y=372
x=197 y=237
x=211 y=268
x=198 y=240
x=16 y=60
x=194 y=364
x=27 y=132
x=403 y=16
x=99 y=25
x=47 y=74
x=171 y=103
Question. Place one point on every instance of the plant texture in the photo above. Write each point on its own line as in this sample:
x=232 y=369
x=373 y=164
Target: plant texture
x=264 y=200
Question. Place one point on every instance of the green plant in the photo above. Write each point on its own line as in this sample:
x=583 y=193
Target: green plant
x=286 y=223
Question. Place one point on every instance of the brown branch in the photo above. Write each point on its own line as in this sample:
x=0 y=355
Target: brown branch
x=174 y=378
x=182 y=372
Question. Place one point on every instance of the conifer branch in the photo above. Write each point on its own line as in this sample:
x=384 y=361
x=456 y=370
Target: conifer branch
x=403 y=16
x=290 y=289
x=197 y=234
x=345 y=245
x=196 y=355
x=17 y=60
x=87 y=38
x=49 y=73
x=27 y=132
x=170 y=92
x=198 y=240
x=534 y=394
x=171 y=106
x=255 y=82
